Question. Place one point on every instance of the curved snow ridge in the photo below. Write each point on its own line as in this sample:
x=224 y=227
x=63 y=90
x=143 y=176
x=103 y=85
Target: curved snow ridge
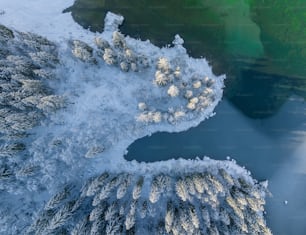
x=199 y=197
x=108 y=106
x=118 y=89
x=131 y=88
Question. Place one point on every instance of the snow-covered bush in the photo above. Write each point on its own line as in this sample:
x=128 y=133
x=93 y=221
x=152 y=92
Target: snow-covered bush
x=173 y=91
x=192 y=104
x=134 y=67
x=94 y=150
x=163 y=65
x=149 y=117
x=118 y=40
x=5 y=33
x=109 y=56
x=177 y=72
x=124 y=66
x=161 y=79
x=142 y=106
x=137 y=188
x=101 y=43
x=82 y=51
x=197 y=84
x=188 y=94
x=208 y=81
x=130 y=55
x=179 y=114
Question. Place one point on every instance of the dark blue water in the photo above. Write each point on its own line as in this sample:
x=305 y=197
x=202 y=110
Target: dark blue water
x=253 y=143
x=272 y=149
x=261 y=123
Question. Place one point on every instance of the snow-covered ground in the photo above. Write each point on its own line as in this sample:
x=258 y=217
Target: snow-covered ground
x=43 y=18
x=116 y=89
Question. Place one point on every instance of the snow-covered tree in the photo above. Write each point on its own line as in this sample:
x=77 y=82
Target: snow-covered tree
x=142 y=106
x=95 y=185
x=191 y=106
x=197 y=84
x=161 y=79
x=190 y=185
x=62 y=215
x=198 y=205
x=101 y=43
x=112 y=227
x=158 y=186
x=111 y=212
x=163 y=64
x=109 y=56
x=43 y=58
x=130 y=219
x=118 y=40
x=97 y=227
x=238 y=213
x=143 y=210
x=181 y=190
x=185 y=221
x=137 y=188
x=156 y=117
x=205 y=216
x=82 y=227
x=177 y=72
x=82 y=51
x=98 y=211
x=124 y=66
x=169 y=218
x=208 y=81
x=130 y=55
x=194 y=217
x=208 y=92
x=94 y=150
x=154 y=192
x=179 y=114
x=173 y=91
x=134 y=67
x=123 y=187
x=106 y=191
x=58 y=198
x=51 y=103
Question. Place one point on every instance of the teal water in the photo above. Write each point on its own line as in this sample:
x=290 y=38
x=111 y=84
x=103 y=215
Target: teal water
x=261 y=47
x=253 y=143
x=272 y=149
x=238 y=37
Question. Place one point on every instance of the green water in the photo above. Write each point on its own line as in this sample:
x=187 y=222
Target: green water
x=261 y=46
x=236 y=36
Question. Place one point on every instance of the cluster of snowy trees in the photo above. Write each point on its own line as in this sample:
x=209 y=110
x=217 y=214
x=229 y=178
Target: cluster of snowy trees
x=25 y=61
x=116 y=53
x=197 y=89
x=27 y=65
x=173 y=203
x=180 y=86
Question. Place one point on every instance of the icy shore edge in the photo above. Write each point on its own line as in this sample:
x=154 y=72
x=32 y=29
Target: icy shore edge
x=115 y=94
